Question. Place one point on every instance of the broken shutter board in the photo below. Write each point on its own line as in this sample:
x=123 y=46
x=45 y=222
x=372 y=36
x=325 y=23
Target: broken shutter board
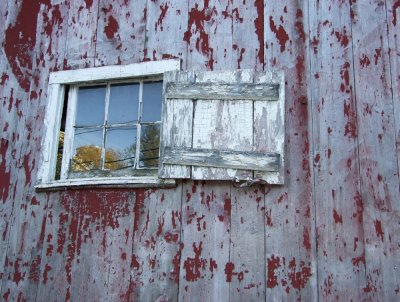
x=223 y=91
x=222 y=159
x=269 y=126
x=178 y=114
x=220 y=130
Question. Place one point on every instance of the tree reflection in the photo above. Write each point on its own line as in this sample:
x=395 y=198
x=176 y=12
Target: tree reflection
x=149 y=145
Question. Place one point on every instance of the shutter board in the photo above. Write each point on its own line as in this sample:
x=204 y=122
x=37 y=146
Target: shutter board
x=269 y=127
x=222 y=91
x=218 y=136
x=222 y=159
x=217 y=126
x=176 y=130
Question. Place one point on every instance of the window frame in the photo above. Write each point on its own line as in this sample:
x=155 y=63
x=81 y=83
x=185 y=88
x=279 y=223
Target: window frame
x=88 y=76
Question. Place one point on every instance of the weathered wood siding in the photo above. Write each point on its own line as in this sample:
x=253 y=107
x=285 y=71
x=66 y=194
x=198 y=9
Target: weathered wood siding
x=332 y=232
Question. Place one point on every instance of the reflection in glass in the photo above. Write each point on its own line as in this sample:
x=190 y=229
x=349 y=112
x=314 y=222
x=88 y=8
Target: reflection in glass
x=149 y=146
x=120 y=148
x=87 y=150
x=124 y=100
x=90 y=106
x=152 y=100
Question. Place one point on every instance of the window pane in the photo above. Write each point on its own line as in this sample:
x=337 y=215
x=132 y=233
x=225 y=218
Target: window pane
x=120 y=148
x=90 y=107
x=87 y=149
x=152 y=100
x=149 y=146
x=124 y=100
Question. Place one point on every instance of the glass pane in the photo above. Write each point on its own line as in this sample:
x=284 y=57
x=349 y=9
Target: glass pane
x=87 y=150
x=152 y=100
x=124 y=100
x=149 y=146
x=120 y=148
x=90 y=107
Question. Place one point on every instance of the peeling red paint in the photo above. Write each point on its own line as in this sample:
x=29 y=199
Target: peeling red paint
x=280 y=33
x=20 y=40
x=259 y=25
x=306 y=239
x=47 y=269
x=229 y=267
x=163 y=13
x=5 y=172
x=197 y=18
x=364 y=61
x=4 y=78
x=360 y=208
x=273 y=264
x=342 y=37
x=111 y=28
x=377 y=55
x=378 y=229
x=350 y=128
x=299 y=25
x=193 y=266
x=396 y=5
x=269 y=217
x=299 y=279
x=337 y=218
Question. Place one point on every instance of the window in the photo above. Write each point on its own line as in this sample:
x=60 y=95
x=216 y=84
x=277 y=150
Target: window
x=109 y=120
x=221 y=125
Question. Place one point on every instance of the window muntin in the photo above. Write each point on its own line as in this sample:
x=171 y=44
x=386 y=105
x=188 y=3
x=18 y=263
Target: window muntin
x=114 y=129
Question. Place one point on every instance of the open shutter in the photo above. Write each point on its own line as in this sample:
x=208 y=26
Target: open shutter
x=222 y=125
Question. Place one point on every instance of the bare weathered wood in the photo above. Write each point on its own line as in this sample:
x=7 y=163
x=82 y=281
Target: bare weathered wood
x=222 y=159
x=223 y=91
x=378 y=155
x=339 y=221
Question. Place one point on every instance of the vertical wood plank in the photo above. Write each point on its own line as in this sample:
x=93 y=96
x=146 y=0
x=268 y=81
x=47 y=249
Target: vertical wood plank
x=290 y=222
x=209 y=35
x=81 y=39
x=246 y=269
x=205 y=237
x=120 y=32
x=247 y=34
x=100 y=269
x=36 y=23
x=378 y=155
x=222 y=132
x=166 y=22
x=339 y=219
x=156 y=248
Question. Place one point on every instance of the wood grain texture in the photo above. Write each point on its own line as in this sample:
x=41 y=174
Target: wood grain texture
x=291 y=263
x=339 y=220
x=378 y=155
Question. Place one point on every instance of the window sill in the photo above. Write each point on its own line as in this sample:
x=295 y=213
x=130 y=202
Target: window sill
x=105 y=182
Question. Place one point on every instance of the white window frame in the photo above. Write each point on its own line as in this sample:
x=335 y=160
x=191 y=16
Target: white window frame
x=56 y=91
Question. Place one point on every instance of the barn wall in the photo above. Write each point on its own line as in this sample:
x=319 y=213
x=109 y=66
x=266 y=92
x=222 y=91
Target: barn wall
x=331 y=232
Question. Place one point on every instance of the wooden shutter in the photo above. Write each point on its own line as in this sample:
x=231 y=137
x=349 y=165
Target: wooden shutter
x=222 y=125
